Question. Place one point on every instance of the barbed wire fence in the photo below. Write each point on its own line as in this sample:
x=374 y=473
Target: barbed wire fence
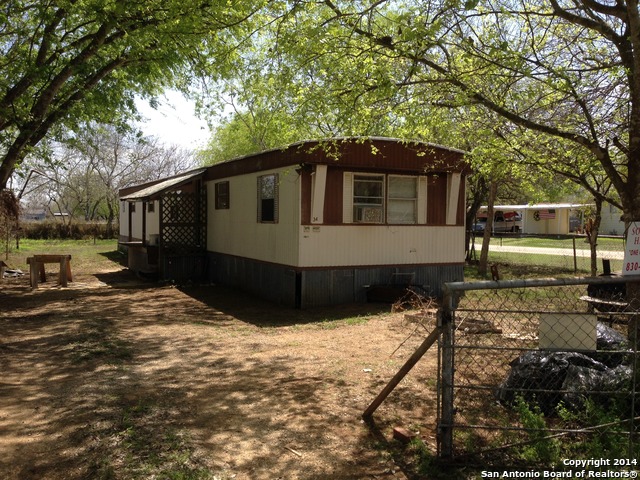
x=533 y=371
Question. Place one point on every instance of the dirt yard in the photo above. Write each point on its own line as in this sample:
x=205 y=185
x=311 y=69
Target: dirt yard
x=115 y=378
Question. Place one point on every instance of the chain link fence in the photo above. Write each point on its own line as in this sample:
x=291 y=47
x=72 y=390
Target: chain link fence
x=552 y=252
x=534 y=371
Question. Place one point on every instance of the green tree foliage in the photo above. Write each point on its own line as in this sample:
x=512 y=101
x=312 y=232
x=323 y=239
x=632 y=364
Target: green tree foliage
x=310 y=77
x=562 y=78
x=262 y=115
x=272 y=102
x=321 y=79
x=67 y=62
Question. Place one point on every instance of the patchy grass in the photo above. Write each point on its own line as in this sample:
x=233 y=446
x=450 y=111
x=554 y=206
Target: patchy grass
x=604 y=243
x=113 y=379
x=537 y=265
x=517 y=265
x=142 y=450
x=141 y=389
x=333 y=323
x=520 y=266
x=86 y=255
x=509 y=270
x=96 y=342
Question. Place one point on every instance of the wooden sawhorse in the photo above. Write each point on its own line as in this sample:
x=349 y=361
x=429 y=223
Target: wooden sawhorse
x=36 y=266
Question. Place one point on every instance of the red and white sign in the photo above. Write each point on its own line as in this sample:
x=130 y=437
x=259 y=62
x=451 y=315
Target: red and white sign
x=631 y=264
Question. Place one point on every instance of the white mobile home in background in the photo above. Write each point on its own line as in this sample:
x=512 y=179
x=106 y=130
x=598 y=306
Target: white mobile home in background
x=562 y=218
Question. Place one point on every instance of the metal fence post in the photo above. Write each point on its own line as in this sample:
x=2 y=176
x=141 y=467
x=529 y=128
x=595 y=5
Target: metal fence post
x=634 y=395
x=500 y=327
x=633 y=334
x=445 y=424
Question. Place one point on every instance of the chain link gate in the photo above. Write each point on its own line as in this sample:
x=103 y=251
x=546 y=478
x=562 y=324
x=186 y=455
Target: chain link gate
x=534 y=371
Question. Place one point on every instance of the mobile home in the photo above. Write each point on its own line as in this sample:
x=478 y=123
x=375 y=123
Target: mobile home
x=316 y=223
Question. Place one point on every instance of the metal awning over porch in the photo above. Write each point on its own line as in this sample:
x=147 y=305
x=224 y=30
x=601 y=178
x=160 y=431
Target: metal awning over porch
x=153 y=191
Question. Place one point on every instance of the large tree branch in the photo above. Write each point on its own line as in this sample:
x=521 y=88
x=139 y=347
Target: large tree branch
x=34 y=131
x=475 y=96
x=570 y=170
x=622 y=42
x=44 y=98
x=617 y=10
x=48 y=35
x=596 y=25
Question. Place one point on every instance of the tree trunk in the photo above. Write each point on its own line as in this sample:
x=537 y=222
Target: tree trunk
x=110 y=217
x=592 y=229
x=484 y=252
x=7 y=165
x=476 y=201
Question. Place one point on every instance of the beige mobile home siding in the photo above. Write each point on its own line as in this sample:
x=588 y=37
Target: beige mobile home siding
x=153 y=219
x=551 y=226
x=136 y=220
x=236 y=231
x=124 y=221
x=359 y=245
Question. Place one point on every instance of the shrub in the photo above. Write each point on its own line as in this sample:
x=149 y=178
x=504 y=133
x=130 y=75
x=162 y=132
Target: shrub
x=541 y=448
x=51 y=230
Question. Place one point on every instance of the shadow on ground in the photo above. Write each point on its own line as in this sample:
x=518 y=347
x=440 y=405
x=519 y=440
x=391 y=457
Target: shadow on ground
x=262 y=313
x=135 y=379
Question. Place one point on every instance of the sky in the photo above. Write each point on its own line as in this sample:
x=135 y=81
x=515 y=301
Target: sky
x=174 y=122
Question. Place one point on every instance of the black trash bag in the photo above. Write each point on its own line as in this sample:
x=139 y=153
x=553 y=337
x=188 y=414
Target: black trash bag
x=609 y=339
x=538 y=377
x=606 y=388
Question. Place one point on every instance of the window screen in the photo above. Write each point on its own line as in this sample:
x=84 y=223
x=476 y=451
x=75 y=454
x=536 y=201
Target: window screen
x=368 y=198
x=222 y=195
x=403 y=199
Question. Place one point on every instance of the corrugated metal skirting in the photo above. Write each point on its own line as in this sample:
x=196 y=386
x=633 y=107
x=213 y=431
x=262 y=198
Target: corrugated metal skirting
x=275 y=283
x=183 y=269
x=336 y=286
x=310 y=288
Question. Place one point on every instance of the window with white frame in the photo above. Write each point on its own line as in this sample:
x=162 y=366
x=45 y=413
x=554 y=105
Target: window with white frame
x=222 y=195
x=268 y=198
x=368 y=198
x=402 y=199
x=384 y=199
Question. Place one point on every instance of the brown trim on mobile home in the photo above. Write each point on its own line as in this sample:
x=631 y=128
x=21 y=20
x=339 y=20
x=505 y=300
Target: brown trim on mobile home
x=371 y=154
x=436 y=199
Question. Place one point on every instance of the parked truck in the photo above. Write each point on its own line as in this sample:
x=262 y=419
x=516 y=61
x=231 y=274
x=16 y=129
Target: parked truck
x=503 y=221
